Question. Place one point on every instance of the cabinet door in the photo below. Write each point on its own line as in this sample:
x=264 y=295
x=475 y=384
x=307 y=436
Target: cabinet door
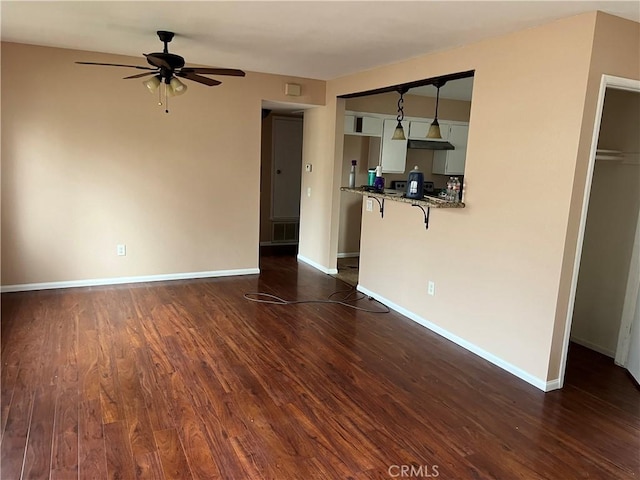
x=418 y=130
x=456 y=158
x=371 y=126
x=349 y=123
x=451 y=162
x=394 y=152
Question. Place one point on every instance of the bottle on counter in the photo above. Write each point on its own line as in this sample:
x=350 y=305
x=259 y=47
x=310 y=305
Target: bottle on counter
x=449 y=195
x=372 y=176
x=378 y=184
x=352 y=174
x=456 y=189
x=415 y=184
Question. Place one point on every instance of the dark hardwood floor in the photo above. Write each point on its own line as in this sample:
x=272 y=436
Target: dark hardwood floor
x=187 y=379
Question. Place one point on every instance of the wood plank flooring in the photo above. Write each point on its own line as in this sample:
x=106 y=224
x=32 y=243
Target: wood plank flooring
x=180 y=380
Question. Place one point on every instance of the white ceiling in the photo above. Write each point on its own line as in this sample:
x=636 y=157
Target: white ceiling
x=455 y=90
x=322 y=40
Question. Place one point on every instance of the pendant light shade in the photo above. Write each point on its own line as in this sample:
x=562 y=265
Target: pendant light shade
x=434 y=130
x=398 y=133
x=153 y=83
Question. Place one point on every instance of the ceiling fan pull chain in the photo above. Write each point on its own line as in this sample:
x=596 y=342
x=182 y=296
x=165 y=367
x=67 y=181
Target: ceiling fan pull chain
x=166 y=98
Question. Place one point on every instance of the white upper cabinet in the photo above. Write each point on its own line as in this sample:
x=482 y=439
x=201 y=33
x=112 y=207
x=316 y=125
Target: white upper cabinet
x=394 y=152
x=349 y=124
x=363 y=125
x=451 y=162
x=369 y=126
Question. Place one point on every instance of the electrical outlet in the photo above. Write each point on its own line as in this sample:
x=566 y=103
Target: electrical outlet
x=121 y=250
x=369 y=205
x=309 y=192
x=308 y=167
x=432 y=288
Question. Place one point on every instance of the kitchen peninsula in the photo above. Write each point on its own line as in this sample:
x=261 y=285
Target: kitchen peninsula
x=425 y=204
x=429 y=202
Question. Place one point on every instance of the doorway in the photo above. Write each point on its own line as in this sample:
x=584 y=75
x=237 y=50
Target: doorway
x=281 y=164
x=606 y=283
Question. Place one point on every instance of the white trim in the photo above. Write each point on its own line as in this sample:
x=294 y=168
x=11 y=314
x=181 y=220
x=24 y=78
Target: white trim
x=328 y=271
x=518 y=372
x=593 y=346
x=607 y=81
x=25 y=287
x=553 y=385
x=348 y=254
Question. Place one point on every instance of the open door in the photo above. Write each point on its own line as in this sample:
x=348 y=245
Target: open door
x=628 y=351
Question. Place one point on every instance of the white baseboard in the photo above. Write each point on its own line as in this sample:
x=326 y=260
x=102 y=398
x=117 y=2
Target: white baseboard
x=328 y=271
x=593 y=346
x=120 y=280
x=553 y=385
x=518 y=372
x=348 y=255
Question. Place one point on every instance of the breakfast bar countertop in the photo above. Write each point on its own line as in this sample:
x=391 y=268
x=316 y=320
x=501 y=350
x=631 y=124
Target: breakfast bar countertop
x=397 y=196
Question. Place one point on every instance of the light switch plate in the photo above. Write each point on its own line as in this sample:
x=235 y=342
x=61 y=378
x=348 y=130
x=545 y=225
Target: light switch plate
x=307 y=167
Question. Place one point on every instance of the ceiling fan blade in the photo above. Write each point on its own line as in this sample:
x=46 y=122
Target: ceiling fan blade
x=197 y=78
x=157 y=61
x=115 y=65
x=140 y=75
x=214 y=71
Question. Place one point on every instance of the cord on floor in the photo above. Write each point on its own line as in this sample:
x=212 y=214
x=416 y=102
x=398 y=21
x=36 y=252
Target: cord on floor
x=351 y=297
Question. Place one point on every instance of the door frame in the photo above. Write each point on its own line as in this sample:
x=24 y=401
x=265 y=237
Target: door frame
x=275 y=119
x=607 y=81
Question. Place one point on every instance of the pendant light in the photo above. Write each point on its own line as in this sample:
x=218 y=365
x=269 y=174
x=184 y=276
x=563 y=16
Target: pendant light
x=398 y=133
x=434 y=129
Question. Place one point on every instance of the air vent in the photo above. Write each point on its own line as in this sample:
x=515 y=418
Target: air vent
x=284 y=232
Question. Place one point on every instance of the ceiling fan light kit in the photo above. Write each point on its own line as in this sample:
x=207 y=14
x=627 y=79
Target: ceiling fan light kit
x=166 y=67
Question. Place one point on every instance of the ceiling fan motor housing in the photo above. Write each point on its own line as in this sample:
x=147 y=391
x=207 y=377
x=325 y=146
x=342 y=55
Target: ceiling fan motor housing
x=166 y=66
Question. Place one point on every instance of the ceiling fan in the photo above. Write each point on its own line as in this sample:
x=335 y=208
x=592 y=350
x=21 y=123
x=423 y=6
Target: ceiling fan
x=166 y=67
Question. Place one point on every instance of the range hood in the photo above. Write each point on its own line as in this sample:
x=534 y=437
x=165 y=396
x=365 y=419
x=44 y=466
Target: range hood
x=427 y=144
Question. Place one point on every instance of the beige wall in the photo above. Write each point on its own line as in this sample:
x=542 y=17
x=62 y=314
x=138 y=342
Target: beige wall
x=320 y=202
x=616 y=51
x=90 y=161
x=414 y=106
x=499 y=264
x=610 y=230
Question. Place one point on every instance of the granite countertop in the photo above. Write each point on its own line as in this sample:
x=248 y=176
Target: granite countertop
x=432 y=202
